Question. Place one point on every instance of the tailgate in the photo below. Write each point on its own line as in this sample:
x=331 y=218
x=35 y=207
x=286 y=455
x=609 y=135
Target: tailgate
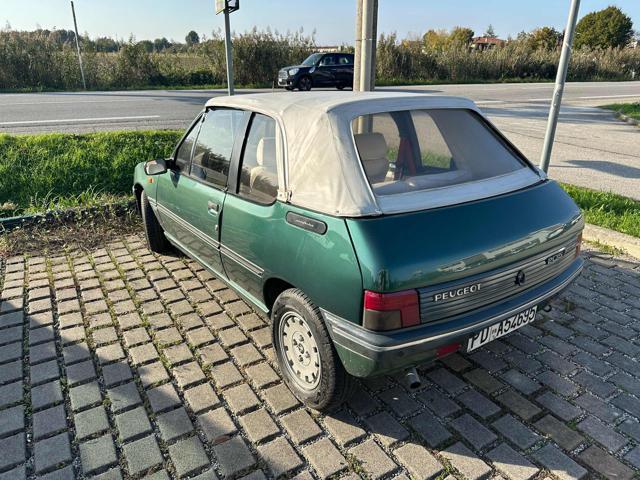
x=433 y=249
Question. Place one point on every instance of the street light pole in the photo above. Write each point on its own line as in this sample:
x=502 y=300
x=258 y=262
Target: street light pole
x=75 y=25
x=227 y=48
x=561 y=77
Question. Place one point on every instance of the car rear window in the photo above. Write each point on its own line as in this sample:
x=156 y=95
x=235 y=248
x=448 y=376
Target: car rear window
x=415 y=150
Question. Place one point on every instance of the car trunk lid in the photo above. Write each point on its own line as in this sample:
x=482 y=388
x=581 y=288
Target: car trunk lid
x=467 y=256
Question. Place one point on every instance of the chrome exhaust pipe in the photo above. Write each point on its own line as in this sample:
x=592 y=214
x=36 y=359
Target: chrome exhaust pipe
x=412 y=378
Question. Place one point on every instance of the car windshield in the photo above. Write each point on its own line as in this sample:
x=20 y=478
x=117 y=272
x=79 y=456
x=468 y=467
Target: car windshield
x=417 y=150
x=312 y=60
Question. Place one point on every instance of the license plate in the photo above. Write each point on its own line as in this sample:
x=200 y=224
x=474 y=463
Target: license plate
x=501 y=328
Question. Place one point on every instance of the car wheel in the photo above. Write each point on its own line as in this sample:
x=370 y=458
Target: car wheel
x=305 y=84
x=308 y=360
x=340 y=87
x=153 y=231
x=288 y=88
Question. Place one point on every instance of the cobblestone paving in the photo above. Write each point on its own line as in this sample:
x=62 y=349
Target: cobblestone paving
x=119 y=363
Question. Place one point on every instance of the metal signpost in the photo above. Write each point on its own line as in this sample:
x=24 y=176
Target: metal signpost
x=561 y=78
x=227 y=7
x=75 y=25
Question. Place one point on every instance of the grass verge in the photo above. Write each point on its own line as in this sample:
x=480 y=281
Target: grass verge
x=629 y=109
x=607 y=210
x=50 y=171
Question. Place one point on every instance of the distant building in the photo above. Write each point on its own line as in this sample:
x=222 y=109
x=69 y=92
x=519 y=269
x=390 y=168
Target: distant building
x=486 y=43
x=327 y=49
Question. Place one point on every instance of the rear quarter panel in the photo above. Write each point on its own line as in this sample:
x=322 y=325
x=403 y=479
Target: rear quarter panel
x=429 y=247
x=324 y=267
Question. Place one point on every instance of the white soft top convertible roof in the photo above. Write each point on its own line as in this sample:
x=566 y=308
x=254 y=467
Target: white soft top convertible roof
x=318 y=162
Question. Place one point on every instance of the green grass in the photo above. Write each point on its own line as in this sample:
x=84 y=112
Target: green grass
x=40 y=172
x=607 y=210
x=629 y=109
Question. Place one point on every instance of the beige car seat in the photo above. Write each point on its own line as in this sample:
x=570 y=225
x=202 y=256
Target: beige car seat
x=264 y=176
x=372 y=148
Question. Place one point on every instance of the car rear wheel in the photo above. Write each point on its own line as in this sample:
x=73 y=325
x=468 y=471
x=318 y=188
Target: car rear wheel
x=305 y=84
x=308 y=360
x=153 y=231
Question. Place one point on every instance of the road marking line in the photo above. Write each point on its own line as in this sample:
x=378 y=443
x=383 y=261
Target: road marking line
x=78 y=120
x=67 y=102
x=485 y=102
x=608 y=96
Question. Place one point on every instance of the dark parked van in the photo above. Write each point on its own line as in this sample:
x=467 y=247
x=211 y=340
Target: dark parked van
x=319 y=70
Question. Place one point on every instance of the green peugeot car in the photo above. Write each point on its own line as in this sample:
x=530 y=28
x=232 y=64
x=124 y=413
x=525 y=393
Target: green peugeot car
x=379 y=231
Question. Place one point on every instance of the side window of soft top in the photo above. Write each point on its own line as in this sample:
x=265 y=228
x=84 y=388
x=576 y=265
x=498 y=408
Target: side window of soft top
x=183 y=155
x=258 y=171
x=212 y=152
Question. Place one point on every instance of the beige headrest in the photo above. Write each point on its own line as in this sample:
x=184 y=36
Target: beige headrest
x=371 y=146
x=266 y=153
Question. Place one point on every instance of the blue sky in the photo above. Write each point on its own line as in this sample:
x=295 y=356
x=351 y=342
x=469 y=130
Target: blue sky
x=333 y=20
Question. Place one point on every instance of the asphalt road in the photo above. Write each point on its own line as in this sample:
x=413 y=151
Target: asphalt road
x=592 y=149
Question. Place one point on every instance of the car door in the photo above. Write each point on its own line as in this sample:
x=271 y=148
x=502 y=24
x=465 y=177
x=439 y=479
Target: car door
x=324 y=74
x=344 y=70
x=192 y=200
x=250 y=224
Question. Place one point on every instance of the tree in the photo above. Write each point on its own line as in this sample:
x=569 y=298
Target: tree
x=491 y=33
x=436 y=39
x=106 y=44
x=192 y=38
x=545 y=38
x=161 y=44
x=608 y=28
x=461 y=36
x=147 y=45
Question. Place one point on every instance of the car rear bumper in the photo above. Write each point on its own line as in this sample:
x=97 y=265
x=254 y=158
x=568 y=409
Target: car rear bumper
x=366 y=353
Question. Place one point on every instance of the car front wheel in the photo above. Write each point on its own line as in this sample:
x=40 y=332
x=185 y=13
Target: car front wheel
x=308 y=360
x=152 y=229
x=305 y=84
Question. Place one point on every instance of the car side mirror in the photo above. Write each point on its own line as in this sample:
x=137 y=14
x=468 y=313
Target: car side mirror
x=155 y=167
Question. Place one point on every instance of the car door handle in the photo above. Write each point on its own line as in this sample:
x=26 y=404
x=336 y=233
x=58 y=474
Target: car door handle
x=213 y=208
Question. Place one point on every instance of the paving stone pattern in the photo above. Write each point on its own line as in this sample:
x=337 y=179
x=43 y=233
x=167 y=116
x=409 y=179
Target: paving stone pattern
x=117 y=363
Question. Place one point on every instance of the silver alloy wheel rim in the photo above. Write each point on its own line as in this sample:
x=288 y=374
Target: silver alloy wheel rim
x=300 y=350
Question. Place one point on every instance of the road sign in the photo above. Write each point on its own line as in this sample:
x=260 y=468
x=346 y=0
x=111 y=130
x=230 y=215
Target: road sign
x=228 y=6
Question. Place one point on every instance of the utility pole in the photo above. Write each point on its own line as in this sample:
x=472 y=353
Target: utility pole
x=561 y=77
x=75 y=25
x=227 y=51
x=366 y=33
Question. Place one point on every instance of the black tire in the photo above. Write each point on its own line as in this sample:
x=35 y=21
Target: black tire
x=335 y=384
x=340 y=87
x=156 y=240
x=288 y=88
x=305 y=83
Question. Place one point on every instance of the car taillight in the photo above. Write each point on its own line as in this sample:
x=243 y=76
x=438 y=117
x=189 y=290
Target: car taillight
x=388 y=311
x=579 y=245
